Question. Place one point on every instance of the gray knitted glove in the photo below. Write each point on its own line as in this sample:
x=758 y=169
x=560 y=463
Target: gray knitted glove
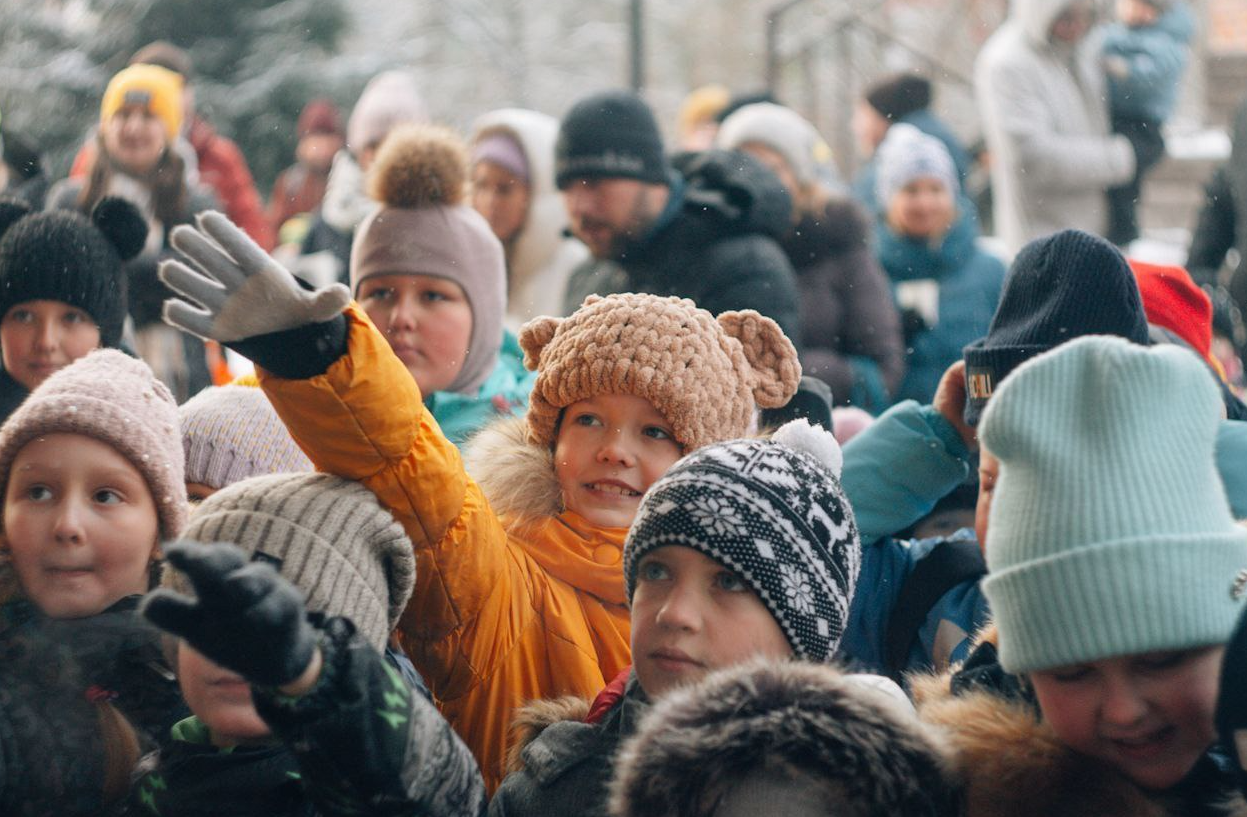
x=242 y=291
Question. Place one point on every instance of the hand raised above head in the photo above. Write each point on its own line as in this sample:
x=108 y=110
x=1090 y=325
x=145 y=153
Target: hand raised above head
x=232 y=290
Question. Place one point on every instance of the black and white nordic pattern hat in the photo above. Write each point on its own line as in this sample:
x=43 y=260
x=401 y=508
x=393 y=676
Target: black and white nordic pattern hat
x=773 y=512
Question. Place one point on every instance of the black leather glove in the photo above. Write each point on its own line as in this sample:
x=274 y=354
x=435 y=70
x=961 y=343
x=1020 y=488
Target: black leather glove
x=246 y=617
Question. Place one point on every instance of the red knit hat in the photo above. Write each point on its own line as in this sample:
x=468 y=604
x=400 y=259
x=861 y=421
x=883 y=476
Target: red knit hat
x=1172 y=300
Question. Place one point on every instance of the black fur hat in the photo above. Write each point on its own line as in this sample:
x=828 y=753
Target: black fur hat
x=783 y=738
x=62 y=256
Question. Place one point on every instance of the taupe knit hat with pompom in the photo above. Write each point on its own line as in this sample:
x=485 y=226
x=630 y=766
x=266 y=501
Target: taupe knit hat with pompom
x=705 y=375
x=423 y=228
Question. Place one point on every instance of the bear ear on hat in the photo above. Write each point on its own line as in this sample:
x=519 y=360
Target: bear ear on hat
x=12 y=211
x=122 y=224
x=776 y=372
x=534 y=336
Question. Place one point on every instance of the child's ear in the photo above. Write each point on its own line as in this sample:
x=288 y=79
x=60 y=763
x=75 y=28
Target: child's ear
x=534 y=336
x=775 y=371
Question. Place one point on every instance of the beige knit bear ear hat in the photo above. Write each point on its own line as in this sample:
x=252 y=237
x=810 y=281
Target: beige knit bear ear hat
x=705 y=375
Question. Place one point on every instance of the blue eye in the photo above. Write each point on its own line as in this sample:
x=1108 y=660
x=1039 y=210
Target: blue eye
x=652 y=571
x=106 y=496
x=380 y=294
x=658 y=433
x=729 y=581
x=587 y=419
x=39 y=493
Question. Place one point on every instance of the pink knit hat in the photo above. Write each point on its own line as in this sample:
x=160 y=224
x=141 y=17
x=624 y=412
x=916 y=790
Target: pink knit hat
x=705 y=375
x=117 y=400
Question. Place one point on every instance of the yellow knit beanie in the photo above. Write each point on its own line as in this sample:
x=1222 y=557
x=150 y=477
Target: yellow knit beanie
x=157 y=89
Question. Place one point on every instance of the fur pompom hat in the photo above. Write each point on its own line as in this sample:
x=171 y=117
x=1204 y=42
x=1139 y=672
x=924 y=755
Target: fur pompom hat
x=60 y=255
x=706 y=375
x=423 y=227
x=784 y=738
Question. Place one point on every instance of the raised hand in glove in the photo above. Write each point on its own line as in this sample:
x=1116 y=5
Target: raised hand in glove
x=246 y=617
x=235 y=290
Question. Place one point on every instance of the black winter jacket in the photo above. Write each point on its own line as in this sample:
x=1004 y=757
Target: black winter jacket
x=719 y=248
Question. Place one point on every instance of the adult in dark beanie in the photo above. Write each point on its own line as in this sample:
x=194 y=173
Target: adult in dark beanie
x=62 y=288
x=907 y=98
x=702 y=227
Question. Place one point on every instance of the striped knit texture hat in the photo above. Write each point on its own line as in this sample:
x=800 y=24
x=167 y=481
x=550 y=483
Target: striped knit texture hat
x=706 y=375
x=1110 y=533
x=326 y=535
x=231 y=433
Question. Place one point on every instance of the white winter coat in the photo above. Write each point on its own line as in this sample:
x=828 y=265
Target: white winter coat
x=1045 y=117
x=541 y=258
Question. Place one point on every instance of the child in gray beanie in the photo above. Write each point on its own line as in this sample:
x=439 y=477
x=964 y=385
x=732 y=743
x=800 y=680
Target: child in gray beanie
x=296 y=711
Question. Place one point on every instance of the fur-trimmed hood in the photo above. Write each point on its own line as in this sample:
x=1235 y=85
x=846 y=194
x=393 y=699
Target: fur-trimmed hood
x=806 y=735
x=516 y=475
x=1014 y=765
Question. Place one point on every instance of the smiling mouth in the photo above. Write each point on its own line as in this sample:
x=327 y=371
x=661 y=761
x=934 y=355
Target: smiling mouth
x=612 y=488
x=1144 y=745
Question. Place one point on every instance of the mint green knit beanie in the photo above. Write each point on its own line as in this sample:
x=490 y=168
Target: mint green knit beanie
x=1110 y=533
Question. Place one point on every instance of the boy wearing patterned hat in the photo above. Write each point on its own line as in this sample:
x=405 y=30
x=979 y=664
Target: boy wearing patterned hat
x=743 y=549
x=519 y=594
x=295 y=712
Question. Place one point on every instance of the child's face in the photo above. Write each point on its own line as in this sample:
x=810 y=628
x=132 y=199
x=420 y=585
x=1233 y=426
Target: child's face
x=691 y=615
x=219 y=698
x=80 y=525
x=1136 y=13
x=609 y=450
x=426 y=319
x=1150 y=716
x=39 y=337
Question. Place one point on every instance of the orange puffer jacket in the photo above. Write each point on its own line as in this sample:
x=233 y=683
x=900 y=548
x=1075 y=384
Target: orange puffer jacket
x=510 y=605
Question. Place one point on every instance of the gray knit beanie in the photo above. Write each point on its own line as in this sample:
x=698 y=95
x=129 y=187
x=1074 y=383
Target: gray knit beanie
x=907 y=154
x=328 y=536
x=230 y=433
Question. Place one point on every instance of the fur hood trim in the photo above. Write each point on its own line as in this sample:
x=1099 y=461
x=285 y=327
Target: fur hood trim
x=782 y=720
x=1014 y=765
x=516 y=476
x=531 y=720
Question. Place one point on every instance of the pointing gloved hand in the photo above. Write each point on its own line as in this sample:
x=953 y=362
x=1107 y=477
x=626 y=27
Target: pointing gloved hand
x=234 y=290
x=246 y=617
